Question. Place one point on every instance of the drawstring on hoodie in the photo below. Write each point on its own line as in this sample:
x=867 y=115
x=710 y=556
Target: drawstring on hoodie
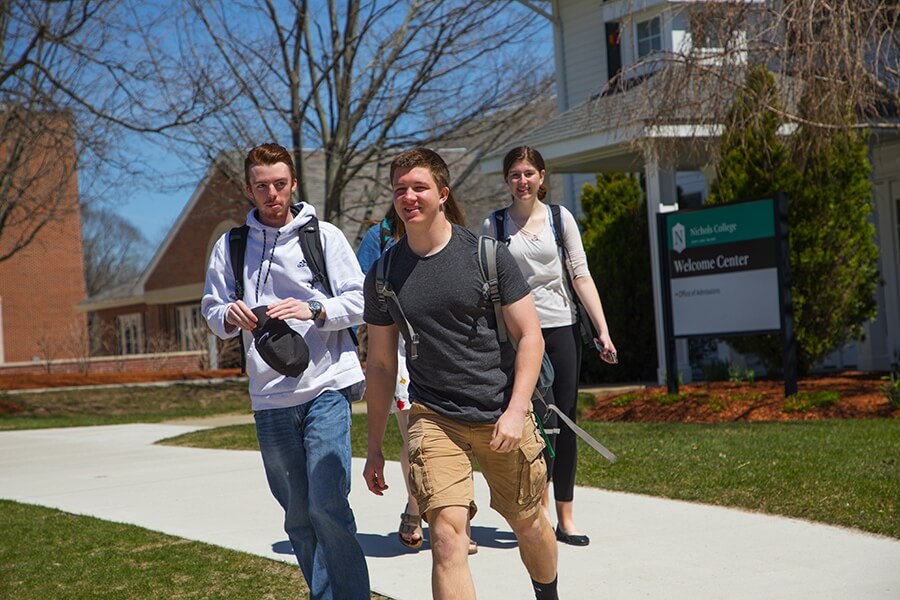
x=271 y=256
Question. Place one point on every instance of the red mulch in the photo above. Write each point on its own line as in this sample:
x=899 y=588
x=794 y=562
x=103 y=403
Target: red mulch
x=860 y=397
x=28 y=381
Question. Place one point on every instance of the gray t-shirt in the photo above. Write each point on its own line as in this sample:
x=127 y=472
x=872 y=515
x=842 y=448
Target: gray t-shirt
x=461 y=371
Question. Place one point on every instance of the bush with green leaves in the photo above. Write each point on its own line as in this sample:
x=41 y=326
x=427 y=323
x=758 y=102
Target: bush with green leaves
x=833 y=253
x=803 y=401
x=617 y=245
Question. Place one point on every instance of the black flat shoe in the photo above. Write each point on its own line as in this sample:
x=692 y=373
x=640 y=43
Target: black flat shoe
x=572 y=540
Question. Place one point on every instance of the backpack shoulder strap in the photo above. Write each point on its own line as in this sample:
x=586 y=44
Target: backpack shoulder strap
x=556 y=225
x=311 y=243
x=237 y=247
x=500 y=225
x=582 y=319
x=487 y=260
x=384 y=290
x=314 y=253
x=382 y=270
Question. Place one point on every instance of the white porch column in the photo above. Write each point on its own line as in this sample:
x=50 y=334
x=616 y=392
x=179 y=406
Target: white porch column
x=661 y=198
x=877 y=351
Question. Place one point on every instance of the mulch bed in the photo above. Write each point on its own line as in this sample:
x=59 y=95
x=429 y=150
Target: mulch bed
x=848 y=395
x=854 y=395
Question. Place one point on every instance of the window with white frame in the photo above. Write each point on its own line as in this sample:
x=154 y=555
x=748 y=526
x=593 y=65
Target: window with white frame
x=189 y=328
x=649 y=36
x=130 y=334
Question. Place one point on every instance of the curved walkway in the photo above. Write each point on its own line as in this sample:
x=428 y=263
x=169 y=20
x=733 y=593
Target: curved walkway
x=642 y=547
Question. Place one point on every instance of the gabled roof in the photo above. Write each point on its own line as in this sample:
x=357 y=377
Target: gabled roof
x=230 y=163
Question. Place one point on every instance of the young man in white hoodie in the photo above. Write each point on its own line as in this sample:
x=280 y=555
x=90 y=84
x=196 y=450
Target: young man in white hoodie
x=302 y=423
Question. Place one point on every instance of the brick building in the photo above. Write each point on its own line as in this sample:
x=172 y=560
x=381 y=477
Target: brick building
x=42 y=281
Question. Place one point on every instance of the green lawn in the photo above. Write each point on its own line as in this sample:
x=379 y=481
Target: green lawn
x=840 y=472
x=46 y=553
x=125 y=404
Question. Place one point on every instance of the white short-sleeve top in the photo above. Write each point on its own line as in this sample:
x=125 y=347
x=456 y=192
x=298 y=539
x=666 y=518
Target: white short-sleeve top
x=541 y=263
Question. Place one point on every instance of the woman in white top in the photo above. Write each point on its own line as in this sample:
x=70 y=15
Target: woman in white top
x=529 y=233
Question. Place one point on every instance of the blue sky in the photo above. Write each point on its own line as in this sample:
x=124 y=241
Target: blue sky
x=153 y=191
x=151 y=207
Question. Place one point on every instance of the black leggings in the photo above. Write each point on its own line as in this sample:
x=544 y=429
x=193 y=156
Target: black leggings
x=563 y=345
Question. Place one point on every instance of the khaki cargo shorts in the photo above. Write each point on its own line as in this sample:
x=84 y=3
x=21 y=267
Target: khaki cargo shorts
x=440 y=465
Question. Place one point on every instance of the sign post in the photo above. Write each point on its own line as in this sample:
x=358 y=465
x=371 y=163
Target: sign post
x=726 y=271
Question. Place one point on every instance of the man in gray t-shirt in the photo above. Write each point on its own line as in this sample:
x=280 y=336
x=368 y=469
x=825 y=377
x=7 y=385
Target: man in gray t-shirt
x=462 y=371
x=471 y=395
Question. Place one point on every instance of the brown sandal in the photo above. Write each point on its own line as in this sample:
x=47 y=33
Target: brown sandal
x=410 y=525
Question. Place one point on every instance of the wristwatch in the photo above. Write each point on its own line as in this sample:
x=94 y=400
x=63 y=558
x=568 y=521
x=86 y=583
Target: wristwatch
x=315 y=307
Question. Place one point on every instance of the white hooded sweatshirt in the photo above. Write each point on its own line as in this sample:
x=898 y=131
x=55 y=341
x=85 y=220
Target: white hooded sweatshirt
x=275 y=269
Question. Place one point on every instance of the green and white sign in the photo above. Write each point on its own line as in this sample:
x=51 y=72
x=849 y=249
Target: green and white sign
x=723 y=269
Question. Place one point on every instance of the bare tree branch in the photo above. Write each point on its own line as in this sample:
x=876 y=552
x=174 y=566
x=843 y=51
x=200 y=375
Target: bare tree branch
x=114 y=250
x=849 y=52
x=73 y=81
x=351 y=83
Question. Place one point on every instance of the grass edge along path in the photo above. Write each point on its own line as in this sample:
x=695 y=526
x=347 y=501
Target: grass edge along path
x=839 y=472
x=91 y=558
x=122 y=404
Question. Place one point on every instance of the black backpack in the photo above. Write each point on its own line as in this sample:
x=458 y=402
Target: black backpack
x=585 y=325
x=310 y=243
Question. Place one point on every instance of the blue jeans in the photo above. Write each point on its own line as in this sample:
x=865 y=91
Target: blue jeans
x=306 y=454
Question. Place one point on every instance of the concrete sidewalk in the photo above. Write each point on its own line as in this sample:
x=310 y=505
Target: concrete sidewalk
x=641 y=547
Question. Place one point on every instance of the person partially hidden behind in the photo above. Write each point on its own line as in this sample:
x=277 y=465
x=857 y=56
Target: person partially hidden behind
x=302 y=418
x=471 y=395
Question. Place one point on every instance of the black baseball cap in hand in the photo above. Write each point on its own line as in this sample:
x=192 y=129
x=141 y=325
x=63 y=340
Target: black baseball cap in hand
x=280 y=345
